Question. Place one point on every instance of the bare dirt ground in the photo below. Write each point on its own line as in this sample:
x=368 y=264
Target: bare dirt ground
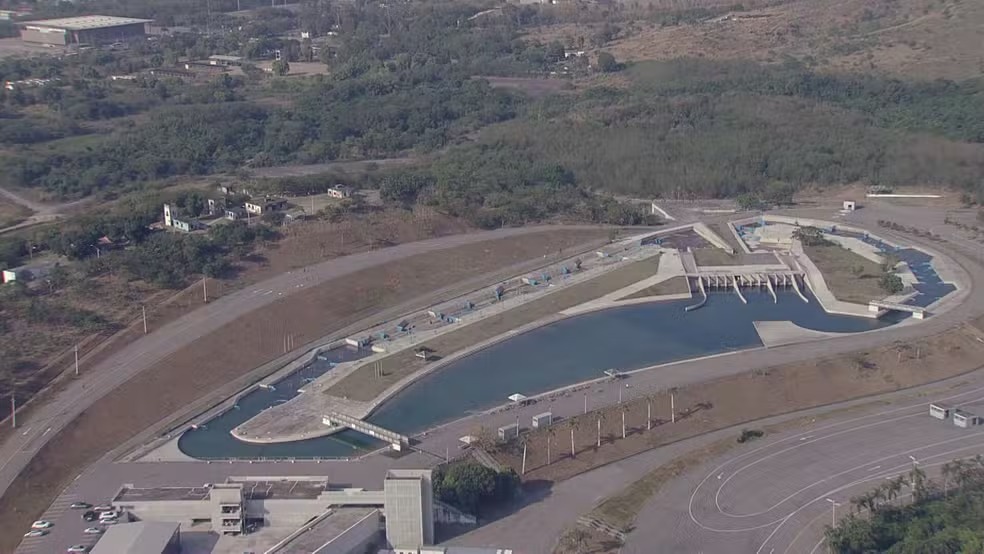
x=35 y=346
x=12 y=213
x=746 y=397
x=849 y=276
x=183 y=377
x=364 y=385
x=912 y=38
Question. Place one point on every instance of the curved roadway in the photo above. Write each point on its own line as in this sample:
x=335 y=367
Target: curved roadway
x=100 y=478
x=44 y=420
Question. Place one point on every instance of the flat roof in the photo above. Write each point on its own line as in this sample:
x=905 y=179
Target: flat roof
x=161 y=493
x=142 y=537
x=285 y=488
x=85 y=22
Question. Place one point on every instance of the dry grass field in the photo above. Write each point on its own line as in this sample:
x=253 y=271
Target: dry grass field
x=913 y=38
x=191 y=373
x=849 y=276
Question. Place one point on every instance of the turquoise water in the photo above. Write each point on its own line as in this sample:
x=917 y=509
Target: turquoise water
x=562 y=353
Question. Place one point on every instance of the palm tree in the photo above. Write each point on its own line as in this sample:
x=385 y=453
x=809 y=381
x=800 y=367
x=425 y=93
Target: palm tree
x=875 y=498
x=918 y=480
x=894 y=487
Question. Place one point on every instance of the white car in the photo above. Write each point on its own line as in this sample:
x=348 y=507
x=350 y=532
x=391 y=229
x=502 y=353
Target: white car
x=104 y=509
x=93 y=531
x=36 y=533
x=41 y=524
x=78 y=548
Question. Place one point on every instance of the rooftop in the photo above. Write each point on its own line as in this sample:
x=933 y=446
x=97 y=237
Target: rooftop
x=295 y=489
x=85 y=22
x=161 y=493
x=136 y=538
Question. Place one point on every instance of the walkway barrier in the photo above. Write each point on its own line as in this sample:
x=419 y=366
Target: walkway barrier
x=734 y=284
x=703 y=291
x=772 y=290
x=799 y=292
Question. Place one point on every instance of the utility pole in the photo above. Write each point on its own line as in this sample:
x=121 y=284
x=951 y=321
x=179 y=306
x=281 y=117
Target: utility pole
x=13 y=411
x=204 y=289
x=143 y=312
x=585 y=402
x=76 y=360
x=672 y=409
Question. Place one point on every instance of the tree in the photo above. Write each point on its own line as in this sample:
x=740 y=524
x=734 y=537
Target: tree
x=891 y=283
x=607 y=63
x=281 y=67
x=810 y=236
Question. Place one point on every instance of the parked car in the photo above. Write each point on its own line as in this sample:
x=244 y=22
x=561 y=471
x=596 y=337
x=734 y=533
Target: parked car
x=77 y=548
x=36 y=533
x=41 y=524
x=93 y=531
x=80 y=506
x=105 y=508
x=90 y=515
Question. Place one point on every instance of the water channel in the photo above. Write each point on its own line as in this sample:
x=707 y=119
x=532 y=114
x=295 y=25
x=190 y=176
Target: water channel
x=565 y=352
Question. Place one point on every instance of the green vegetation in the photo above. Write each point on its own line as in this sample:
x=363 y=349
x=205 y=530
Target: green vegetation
x=470 y=486
x=749 y=435
x=944 y=517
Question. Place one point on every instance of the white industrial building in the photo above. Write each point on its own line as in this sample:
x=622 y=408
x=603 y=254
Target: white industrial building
x=405 y=504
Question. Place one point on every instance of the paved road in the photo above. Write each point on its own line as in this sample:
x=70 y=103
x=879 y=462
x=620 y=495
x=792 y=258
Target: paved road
x=773 y=498
x=102 y=479
x=44 y=421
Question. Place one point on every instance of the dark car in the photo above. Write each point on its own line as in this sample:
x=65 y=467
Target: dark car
x=90 y=515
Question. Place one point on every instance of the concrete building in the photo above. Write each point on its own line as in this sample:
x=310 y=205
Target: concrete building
x=339 y=191
x=267 y=205
x=89 y=29
x=406 y=502
x=172 y=221
x=142 y=537
x=409 y=508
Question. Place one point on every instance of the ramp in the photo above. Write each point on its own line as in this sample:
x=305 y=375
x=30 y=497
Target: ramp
x=339 y=419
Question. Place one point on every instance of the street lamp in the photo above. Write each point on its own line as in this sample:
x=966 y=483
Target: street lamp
x=833 y=511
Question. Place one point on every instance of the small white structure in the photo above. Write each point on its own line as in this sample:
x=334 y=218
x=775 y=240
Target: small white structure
x=518 y=398
x=939 y=411
x=849 y=206
x=10 y=275
x=508 y=432
x=339 y=191
x=964 y=419
x=542 y=420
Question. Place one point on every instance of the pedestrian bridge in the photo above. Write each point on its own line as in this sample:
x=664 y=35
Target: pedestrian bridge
x=338 y=419
x=878 y=305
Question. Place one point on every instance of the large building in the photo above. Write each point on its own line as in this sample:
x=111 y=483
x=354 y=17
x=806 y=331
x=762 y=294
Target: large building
x=89 y=29
x=405 y=504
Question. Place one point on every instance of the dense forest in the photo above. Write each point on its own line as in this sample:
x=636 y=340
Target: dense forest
x=406 y=80
x=944 y=516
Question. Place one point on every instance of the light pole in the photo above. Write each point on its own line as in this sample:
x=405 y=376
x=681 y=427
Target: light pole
x=833 y=519
x=833 y=511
